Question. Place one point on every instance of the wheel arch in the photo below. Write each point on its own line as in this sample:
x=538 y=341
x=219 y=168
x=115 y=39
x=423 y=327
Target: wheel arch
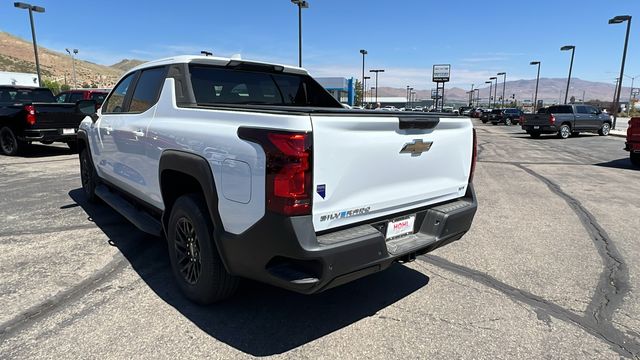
x=180 y=173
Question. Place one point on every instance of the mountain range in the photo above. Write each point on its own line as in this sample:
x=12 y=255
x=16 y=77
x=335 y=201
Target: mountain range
x=16 y=55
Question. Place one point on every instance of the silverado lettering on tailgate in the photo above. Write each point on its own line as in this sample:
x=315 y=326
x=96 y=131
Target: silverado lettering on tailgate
x=345 y=214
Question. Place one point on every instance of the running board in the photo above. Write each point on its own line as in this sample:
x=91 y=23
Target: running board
x=140 y=219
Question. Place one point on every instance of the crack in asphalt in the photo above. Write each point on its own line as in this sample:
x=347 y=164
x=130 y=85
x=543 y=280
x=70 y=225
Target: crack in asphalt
x=613 y=283
x=45 y=308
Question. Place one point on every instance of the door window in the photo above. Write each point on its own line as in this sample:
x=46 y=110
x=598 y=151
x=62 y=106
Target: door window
x=115 y=102
x=147 y=89
x=583 y=110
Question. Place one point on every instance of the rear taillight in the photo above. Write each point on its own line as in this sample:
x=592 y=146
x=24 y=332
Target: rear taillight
x=288 y=169
x=474 y=156
x=521 y=119
x=31 y=114
x=552 y=119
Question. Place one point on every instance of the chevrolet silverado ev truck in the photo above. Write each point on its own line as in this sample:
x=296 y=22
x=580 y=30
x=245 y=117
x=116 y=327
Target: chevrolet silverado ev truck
x=253 y=170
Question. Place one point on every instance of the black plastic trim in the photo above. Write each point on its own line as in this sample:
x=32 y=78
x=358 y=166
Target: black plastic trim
x=197 y=167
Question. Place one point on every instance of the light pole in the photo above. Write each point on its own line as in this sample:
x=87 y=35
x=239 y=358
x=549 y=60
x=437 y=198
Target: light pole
x=477 y=97
x=406 y=106
x=535 y=99
x=32 y=8
x=490 y=85
x=573 y=51
x=410 y=94
x=471 y=95
x=495 y=90
x=363 y=52
x=376 y=71
x=73 y=64
x=504 y=84
x=365 y=86
x=302 y=4
x=617 y=20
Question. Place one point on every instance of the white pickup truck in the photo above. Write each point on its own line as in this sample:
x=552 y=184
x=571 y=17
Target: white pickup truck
x=253 y=170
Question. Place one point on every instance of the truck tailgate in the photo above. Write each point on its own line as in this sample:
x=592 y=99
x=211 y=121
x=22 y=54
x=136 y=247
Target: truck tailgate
x=56 y=116
x=633 y=132
x=360 y=172
x=536 y=119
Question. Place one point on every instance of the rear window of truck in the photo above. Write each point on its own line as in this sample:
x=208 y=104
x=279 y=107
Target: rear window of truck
x=15 y=95
x=560 y=109
x=217 y=85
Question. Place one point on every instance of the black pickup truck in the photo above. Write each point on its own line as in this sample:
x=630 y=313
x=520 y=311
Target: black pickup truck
x=566 y=120
x=31 y=114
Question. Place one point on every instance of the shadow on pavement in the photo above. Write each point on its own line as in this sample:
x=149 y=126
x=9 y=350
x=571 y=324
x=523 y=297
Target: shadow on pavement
x=41 y=150
x=624 y=163
x=260 y=320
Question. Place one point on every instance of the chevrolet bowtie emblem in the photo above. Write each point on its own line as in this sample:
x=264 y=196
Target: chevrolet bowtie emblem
x=416 y=148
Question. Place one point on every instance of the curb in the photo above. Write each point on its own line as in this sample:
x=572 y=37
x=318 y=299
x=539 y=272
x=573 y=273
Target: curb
x=616 y=134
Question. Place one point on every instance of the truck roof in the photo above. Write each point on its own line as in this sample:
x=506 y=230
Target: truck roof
x=217 y=61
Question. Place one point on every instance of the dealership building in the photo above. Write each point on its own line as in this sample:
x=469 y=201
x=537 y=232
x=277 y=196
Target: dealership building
x=15 y=78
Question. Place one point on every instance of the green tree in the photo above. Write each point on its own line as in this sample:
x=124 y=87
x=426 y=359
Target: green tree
x=52 y=85
x=358 y=99
x=65 y=87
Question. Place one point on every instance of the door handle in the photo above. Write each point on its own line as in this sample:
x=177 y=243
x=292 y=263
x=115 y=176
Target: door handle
x=138 y=133
x=108 y=129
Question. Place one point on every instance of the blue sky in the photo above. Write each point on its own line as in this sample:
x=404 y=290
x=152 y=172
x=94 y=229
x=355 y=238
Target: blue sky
x=479 y=38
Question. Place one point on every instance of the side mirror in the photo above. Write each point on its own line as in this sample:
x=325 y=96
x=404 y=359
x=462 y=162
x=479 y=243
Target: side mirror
x=88 y=108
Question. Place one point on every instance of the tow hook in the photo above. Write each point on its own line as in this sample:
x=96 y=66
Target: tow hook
x=407 y=258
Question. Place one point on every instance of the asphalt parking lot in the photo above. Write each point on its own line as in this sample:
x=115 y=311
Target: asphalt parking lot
x=548 y=270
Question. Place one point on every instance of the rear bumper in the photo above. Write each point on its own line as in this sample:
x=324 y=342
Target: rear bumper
x=632 y=146
x=543 y=129
x=55 y=135
x=286 y=251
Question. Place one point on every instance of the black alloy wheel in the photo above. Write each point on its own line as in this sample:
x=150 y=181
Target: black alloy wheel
x=187 y=248
x=8 y=142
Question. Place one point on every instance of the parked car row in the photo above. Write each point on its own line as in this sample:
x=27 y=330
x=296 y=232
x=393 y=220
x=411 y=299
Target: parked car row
x=566 y=121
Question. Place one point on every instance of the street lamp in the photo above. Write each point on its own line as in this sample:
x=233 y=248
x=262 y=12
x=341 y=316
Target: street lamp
x=363 y=52
x=495 y=90
x=617 y=20
x=490 y=85
x=535 y=100
x=365 y=85
x=504 y=84
x=32 y=8
x=302 y=4
x=73 y=64
x=573 y=50
x=471 y=92
x=477 y=97
x=376 y=71
x=407 y=96
x=410 y=96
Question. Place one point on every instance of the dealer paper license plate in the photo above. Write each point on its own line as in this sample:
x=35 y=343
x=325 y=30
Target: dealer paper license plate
x=68 y=131
x=400 y=226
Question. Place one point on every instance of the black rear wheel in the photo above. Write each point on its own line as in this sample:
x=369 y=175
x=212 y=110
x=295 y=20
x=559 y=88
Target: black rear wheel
x=605 y=129
x=507 y=121
x=195 y=261
x=9 y=144
x=564 y=132
x=635 y=158
x=88 y=176
x=534 y=134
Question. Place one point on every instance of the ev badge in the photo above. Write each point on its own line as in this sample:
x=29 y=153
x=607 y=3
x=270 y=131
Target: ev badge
x=416 y=148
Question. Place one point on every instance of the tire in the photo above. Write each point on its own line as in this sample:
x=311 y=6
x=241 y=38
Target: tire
x=535 y=135
x=635 y=158
x=195 y=261
x=46 y=142
x=73 y=146
x=507 y=121
x=564 y=132
x=88 y=176
x=494 y=123
x=9 y=144
x=605 y=129
x=485 y=121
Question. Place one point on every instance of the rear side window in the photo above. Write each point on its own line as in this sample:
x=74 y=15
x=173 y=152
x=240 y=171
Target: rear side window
x=582 y=109
x=98 y=97
x=147 y=89
x=217 y=85
x=75 y=97
x=496 y=111
x=563 y=109
x=26 y=96
x=115 y=102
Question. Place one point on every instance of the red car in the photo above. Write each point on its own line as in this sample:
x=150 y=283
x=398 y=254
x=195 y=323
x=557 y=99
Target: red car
x=73 y=96
x=633 y=140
